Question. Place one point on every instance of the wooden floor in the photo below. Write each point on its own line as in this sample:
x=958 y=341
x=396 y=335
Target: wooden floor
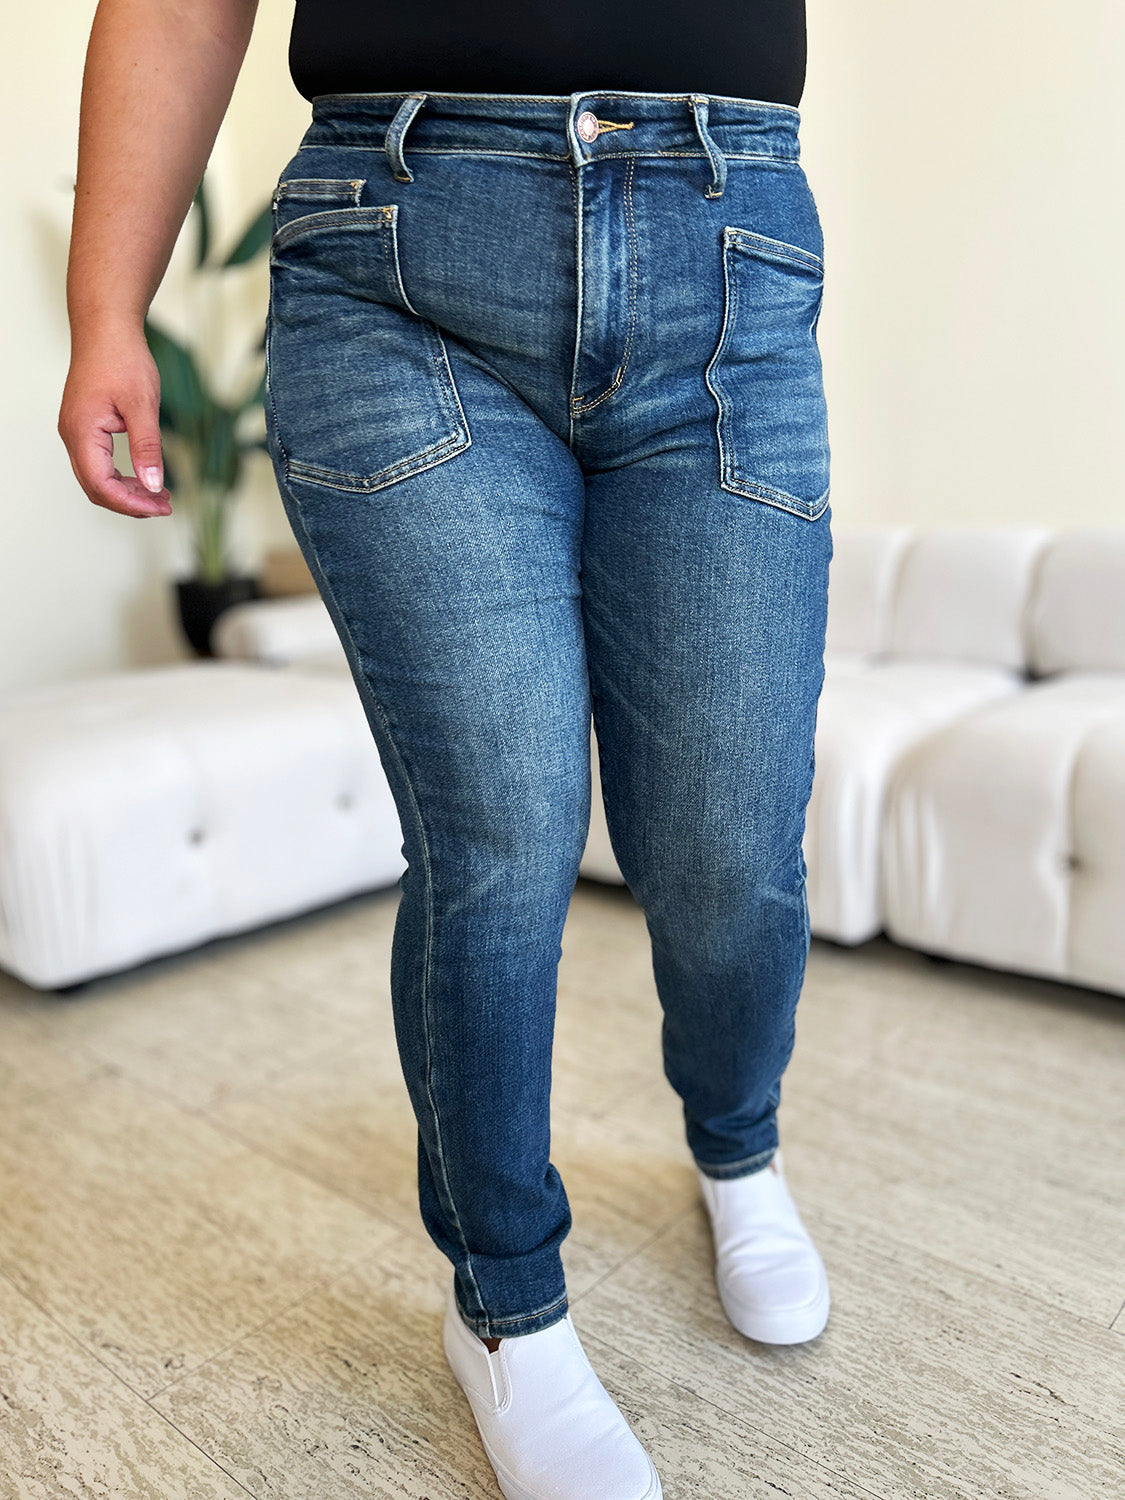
x=214 y=1280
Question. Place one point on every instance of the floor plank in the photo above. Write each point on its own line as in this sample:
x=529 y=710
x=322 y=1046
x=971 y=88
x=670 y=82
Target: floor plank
x=151 y=1236
x=68 y=1427
x=198 y=1034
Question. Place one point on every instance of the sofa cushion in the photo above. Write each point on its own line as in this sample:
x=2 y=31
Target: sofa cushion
x=962 y=594
x=861 y=580
x=144 y=812
x=865 y=722
x=278 y=632
x=1077 y=612
x=1004 y=836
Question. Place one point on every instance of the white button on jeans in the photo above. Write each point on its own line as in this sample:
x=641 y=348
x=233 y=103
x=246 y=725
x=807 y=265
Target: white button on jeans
x=587 y=125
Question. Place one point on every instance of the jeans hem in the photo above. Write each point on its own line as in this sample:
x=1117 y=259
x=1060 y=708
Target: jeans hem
x=510 y=1327
x=744 y=1168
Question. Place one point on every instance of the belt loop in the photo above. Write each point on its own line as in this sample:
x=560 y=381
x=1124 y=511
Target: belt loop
x=395 y=133
x=714 y=188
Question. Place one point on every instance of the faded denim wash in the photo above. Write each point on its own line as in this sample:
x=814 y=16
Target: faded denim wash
x=545 y=405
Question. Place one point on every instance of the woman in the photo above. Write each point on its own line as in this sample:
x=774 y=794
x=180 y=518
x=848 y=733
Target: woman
x=545 y=407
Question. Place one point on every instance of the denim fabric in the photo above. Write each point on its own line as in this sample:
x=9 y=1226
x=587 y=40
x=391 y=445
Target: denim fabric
x=545 y=407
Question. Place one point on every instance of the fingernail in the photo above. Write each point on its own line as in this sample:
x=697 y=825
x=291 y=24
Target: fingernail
x=152 y=480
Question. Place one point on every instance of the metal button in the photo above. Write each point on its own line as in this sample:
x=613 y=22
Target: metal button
x=587 y=125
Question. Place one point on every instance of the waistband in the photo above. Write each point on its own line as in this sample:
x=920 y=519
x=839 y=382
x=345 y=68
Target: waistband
x=579 y=127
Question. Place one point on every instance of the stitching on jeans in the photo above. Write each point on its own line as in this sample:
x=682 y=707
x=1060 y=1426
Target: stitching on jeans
x=729 y=479
x=559 y=156
x=814 y=264
x=631 y=223
x=783 y=497
x=575 y=193
x=423 y=840
x=446 y=388
x=390 y=230
x=760 y=104
x=735 y=1168
x=523 y=1317
x=268 y=380
x=426 y=865
x=730 y=155
x=582 y=406
x=426 y=458
x=790 y=503
x=311 y=189
x=767 y=248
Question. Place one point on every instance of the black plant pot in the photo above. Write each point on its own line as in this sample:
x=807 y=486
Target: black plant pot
x=201 y=604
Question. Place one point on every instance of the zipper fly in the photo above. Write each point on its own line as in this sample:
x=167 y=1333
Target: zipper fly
x=606 y=240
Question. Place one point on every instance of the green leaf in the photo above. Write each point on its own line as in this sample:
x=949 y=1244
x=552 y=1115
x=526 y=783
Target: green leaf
x=254 y=240
x=220 y=453
x=183 y=397
x=204 y=242
x=255 y=397
x=170 y=479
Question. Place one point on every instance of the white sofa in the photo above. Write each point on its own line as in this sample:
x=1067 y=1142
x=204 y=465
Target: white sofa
x=1003 y=835
x=146 y=812
x=968 y=800
x=924 y=628
x=969 y=794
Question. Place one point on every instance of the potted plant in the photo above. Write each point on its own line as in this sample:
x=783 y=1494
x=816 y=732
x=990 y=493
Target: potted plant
x=207 y=435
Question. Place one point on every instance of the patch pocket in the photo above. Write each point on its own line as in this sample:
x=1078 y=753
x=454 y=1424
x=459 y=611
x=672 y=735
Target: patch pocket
x=359 y=386
x=766 y=376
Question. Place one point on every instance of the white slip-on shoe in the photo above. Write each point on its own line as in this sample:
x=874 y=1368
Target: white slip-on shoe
x=550 y=1428
x=771 y=1280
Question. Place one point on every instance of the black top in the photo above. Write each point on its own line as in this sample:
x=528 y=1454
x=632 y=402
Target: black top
x=749 y=49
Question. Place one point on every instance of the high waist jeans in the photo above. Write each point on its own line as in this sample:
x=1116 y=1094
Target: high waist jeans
x=545 y=406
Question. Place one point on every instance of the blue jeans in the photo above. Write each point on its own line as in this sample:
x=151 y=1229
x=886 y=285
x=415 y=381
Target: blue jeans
x=545 y=406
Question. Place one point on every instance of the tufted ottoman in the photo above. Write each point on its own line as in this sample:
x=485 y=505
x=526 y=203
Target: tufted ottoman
x=145 y=812
x=1004 y=836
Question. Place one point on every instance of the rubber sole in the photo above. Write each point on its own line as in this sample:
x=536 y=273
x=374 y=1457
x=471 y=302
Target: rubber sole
x=511 y=1490
x=793 y=1326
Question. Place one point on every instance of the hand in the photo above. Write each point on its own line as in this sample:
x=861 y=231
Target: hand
x=113 y=386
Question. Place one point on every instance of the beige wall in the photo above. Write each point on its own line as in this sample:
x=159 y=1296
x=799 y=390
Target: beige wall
x=965 y=161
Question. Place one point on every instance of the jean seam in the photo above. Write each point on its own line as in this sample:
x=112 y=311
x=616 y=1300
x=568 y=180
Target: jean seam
x=576 y=196
x=426 y=865
x=582 y=405
x=358 y=484
x=766 y=248
x=367 y=144
x=490 y=1323
x=744 y=1168
x=808 y=510
x=768 y=104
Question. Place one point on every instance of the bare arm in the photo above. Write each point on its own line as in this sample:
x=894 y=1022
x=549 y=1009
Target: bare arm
x=159 y=77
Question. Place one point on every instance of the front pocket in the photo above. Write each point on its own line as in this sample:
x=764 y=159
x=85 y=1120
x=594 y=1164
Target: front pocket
x=766 y=377
x=360 y=389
